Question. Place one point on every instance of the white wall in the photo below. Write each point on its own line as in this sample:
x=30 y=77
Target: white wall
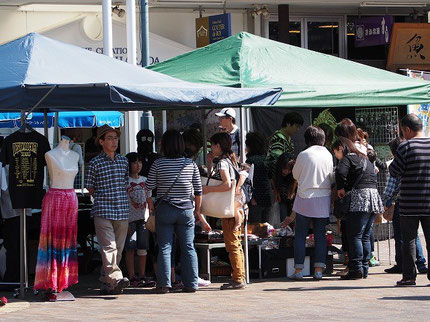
x=177 y=26
x=180 y=26
x=15 y=24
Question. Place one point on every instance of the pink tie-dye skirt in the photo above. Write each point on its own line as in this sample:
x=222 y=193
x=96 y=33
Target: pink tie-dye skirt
x=57 y=260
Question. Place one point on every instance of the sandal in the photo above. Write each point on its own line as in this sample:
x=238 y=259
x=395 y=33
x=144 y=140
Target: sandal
x=403 y=282
x=233 y=285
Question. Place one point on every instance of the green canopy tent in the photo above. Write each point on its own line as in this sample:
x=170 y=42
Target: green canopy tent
x=308 y=78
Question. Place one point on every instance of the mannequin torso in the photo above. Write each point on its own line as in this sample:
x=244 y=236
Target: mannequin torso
x=62 y=165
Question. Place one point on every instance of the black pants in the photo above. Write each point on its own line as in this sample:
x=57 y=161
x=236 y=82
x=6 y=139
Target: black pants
x=409 y=228
x=11 y=243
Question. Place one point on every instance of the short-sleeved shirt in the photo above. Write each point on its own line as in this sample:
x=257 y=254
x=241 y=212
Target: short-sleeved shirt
x=137 y=195
x=162 y=175
x=25 y=153
x=224 y=164
x=235 y=140
x=109 y=178
x=279 y=144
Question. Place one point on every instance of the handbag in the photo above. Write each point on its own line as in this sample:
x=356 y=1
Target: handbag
x=218 y=204
x=389 y=213
x=150 y=223
x=342 y=205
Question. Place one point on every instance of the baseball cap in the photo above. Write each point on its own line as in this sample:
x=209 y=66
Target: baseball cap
x=228 y=111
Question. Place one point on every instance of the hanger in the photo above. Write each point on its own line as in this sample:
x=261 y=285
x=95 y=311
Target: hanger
x=25 y=127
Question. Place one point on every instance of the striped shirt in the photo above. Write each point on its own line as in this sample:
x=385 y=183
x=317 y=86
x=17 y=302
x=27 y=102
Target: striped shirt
x=163 y=173
x=412 y=165
x=109 y=178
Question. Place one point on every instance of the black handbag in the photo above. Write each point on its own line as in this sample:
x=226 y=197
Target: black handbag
x=342 y=205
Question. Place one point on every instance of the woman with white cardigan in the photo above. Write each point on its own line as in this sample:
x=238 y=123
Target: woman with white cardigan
x=313 y=171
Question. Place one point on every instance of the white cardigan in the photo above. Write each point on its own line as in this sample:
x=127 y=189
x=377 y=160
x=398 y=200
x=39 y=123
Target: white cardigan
x=314 y=172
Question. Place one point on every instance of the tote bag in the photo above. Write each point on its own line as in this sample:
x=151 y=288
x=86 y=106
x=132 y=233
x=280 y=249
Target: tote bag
x=218 y=204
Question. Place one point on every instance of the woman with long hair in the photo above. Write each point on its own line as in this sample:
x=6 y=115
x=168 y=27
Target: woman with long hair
x=176 y=179
x=225 y=170
x=355 y=169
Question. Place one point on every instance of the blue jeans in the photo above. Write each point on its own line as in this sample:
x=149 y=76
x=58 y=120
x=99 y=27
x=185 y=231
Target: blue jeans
x=421 y=261
x=358 y=226
x=302 y=228
x=169 y=219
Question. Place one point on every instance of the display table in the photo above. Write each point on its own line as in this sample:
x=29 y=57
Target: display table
x=209 y=246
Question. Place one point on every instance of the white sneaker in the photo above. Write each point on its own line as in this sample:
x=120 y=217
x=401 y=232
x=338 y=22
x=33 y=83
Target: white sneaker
x=203 y=282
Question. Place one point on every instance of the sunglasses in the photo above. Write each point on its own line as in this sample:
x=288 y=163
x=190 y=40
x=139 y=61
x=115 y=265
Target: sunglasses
x=146 y=138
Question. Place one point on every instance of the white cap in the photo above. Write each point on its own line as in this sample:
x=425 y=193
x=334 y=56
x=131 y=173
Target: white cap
x=228 y=111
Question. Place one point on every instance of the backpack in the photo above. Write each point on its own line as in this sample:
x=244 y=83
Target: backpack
x=247 y=187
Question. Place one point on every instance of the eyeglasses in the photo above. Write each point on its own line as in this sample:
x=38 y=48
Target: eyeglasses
x=112 y=138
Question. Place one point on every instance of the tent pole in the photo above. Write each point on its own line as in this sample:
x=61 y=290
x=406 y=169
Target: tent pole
x=23 y=280
x=164 y=120
x=107 y=27
x=205 y=136
x=45 y=123
x=39 y=102
x=243 y=132
x=133 y=116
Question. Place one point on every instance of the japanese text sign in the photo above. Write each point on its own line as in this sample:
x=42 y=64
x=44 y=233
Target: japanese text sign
x=410 y=46
x=373 y=31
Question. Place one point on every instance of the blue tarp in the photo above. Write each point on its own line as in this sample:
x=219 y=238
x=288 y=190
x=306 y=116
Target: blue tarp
x=33 y=64
x=65 y=119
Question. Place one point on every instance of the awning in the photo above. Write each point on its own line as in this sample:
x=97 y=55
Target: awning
x=86 y=119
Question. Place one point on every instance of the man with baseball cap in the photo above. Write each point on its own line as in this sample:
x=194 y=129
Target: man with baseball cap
x=227 y=117
x=106 y=180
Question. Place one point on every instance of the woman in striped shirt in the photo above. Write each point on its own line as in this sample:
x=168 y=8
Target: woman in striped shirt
x=176 y=179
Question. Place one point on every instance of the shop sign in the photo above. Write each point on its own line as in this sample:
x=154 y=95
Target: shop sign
x=409 y=47
x=373 y=31
x=212 y=29
x=120 y=53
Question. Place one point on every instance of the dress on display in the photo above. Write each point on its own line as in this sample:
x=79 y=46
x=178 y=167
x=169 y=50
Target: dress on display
x=57 y=259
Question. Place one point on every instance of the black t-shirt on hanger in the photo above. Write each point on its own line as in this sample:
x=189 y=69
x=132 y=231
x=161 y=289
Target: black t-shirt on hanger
x=25 y=154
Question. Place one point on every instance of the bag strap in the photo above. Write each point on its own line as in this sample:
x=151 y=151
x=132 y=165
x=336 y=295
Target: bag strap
x=176 y=179
x=236 y=173
x=357 y=181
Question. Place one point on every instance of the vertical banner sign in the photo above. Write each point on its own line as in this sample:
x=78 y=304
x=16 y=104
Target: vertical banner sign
x=373 y=31
x=212 y=29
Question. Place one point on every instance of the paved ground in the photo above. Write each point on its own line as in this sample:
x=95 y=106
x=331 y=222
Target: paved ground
x=331 y=299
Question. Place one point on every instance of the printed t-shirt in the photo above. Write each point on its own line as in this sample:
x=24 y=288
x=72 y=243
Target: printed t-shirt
x=137 y=194
x=25 y=153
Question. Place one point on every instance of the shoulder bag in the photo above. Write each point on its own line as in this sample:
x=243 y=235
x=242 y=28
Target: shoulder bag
x=150 y=223
x=341 y=206
x=218 y=204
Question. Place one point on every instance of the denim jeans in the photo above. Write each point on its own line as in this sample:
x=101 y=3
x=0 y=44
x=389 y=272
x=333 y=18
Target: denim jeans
x=358 y=225
x=170 y=219
x=409 y=228
x=421 y=261
x=302 y=228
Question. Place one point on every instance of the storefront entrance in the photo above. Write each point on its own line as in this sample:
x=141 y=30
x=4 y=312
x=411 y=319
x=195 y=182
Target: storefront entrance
x=322 y=34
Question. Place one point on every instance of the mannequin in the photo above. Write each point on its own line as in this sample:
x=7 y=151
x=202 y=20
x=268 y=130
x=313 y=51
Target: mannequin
x=57 y=262
x=62 y=165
